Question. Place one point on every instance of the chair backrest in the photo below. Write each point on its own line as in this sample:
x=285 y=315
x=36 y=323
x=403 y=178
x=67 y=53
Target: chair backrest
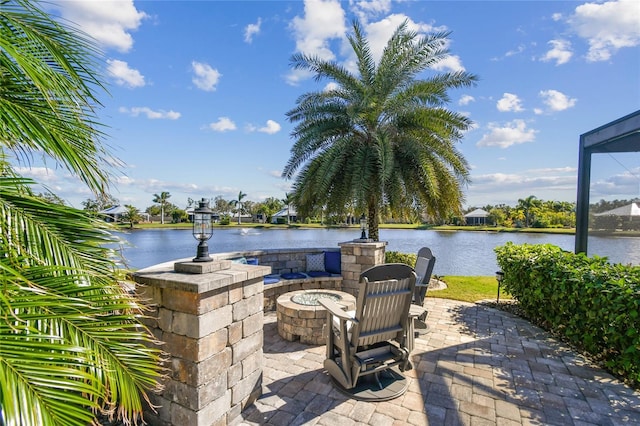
x=384 y=298
x=424 y=268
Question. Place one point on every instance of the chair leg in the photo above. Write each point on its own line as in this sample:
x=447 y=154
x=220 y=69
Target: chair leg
x=376 y=376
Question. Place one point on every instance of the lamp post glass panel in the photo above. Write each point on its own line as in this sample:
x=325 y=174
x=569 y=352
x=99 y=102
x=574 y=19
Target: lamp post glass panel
x=202 y=230
x=499 y=278
x=363 y=227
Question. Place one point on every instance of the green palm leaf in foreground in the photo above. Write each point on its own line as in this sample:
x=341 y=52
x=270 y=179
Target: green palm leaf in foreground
x=70 y=340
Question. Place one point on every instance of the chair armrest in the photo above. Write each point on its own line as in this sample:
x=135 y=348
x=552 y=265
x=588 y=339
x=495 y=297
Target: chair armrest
x=335 y=309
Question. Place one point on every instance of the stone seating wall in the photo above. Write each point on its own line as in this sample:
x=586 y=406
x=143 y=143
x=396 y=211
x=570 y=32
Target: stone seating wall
x=280 y=260
x=285 y=261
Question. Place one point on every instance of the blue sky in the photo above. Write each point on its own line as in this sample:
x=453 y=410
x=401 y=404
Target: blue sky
x=198 y=90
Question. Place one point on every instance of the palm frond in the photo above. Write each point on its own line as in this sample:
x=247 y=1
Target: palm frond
x=47 y=100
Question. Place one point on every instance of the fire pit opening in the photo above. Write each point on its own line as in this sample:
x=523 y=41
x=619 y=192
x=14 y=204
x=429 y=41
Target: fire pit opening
x=301 y=317
x=312 y=298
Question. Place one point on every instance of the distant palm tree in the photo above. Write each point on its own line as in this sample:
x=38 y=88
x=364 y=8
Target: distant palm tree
x=70 y=340
x=287 y=200
x=131 y=215
x=527 y=205
x=238 y=205
x=380 y=137
x=161 y=199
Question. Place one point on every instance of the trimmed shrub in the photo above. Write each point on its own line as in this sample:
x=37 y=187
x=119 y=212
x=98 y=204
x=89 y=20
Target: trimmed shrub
x=397 y=257
x=592 y=303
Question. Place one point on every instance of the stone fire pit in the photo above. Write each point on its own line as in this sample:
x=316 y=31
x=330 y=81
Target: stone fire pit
x=301 y=317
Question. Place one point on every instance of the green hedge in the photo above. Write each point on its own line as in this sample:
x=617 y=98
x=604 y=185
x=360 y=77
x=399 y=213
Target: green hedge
x=594 y=304
x=397 y=257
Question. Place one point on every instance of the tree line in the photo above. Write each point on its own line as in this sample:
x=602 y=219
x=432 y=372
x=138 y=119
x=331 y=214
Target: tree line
x=529 y=212
x=225 y=209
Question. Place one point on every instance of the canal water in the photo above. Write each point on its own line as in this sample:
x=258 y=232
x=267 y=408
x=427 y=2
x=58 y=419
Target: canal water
x=457 y=252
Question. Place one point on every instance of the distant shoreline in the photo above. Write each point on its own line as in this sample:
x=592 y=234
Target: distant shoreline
x=419 y=227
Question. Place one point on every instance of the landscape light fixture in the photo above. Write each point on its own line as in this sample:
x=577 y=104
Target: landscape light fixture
x=202 y=230
x=499 y=278
x=363 y=227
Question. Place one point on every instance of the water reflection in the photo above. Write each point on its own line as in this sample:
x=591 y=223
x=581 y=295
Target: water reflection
x=457 y=252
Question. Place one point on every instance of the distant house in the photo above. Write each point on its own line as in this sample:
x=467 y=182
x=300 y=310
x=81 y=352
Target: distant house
x=113 y=213
x=281 y=216
x=476 y=217
x=625 y=218
x=632 y=209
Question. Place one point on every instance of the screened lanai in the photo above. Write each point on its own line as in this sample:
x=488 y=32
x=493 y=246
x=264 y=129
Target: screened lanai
x=619 y=136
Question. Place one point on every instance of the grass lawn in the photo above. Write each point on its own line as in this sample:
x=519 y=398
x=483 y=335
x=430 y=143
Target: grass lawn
x=469 y=289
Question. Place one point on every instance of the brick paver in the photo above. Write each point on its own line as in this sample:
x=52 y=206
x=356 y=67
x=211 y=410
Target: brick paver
x=477 y=366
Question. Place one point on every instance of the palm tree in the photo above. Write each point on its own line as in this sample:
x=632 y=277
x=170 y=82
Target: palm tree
x=162 y=200
x=287 y=200
x=70 y=340
x=381 y=137
x=527 y=205
x=131 y=215
x=238 y=205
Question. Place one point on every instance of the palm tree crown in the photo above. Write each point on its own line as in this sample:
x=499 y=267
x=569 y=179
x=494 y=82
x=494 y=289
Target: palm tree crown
x=381 y=138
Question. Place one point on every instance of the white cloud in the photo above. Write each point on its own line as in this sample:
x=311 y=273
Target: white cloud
x=366 y=9
x=124 y=180
x=607 y=27
x=332 y=85
x=556 y=101
x=296 y=76
x=512 y=133
x=251 y=30
x=466 y=100
x=270 y=128
x=151 y=114
x=39 y=174
x=509 y=102
x=206 y=77
x=622 y=185
x=379 y=33
x=109 y=22
x=521 y=48
x=451 y=63
x=276 y=173
x=224 y=124
x=124 y=75
x=323 y=20
x=495 y=188
x=560 y=52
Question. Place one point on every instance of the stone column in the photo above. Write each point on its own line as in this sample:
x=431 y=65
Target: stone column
x=357 y=256
x=209 y=316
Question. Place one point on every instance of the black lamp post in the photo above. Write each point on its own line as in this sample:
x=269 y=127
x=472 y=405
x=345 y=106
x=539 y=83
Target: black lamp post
x=202 y=230
x=363 y=227
x=499 y=278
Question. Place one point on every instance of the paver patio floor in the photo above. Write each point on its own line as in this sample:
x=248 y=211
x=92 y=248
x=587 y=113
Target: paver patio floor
x=476 y=366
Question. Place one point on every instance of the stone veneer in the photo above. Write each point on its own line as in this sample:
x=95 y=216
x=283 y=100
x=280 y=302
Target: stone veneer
x=210 y=317
x=357 y=256
x=305 y=323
